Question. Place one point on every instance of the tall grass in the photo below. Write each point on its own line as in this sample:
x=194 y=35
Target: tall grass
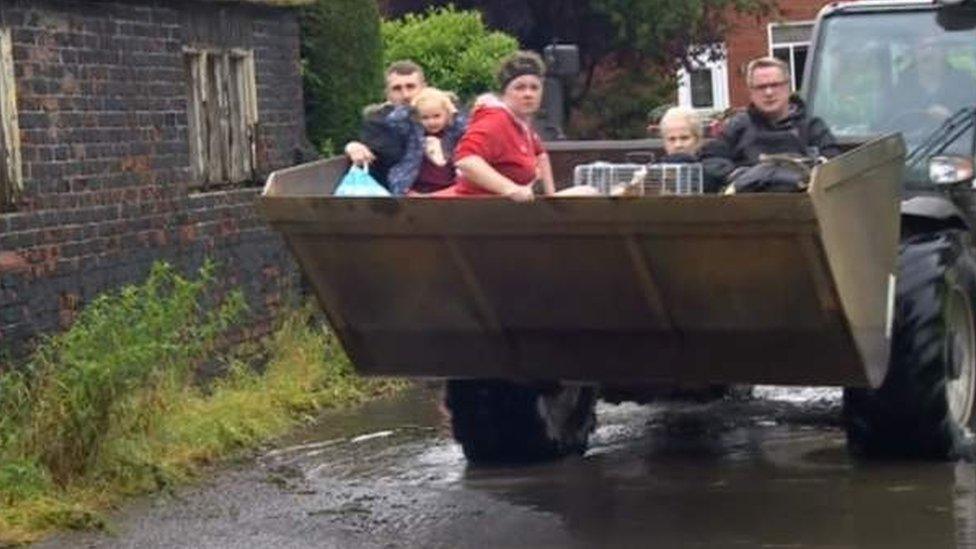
x=111 y=407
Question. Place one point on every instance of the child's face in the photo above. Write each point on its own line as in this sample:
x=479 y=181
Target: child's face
x=433 y=117
x=679 y=139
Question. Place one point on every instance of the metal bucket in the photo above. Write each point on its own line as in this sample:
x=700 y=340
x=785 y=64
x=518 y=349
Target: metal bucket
x=771 y=288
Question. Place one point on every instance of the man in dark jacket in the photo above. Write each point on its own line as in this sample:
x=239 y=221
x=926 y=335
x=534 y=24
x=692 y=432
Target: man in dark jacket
x=379 y=145
x=774 y=123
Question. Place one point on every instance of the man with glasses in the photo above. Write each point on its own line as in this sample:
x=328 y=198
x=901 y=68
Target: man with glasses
x=379 y=144
x=775 y=122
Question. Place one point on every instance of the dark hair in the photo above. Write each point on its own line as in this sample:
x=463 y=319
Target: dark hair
x=518 y=64
x=404 y=67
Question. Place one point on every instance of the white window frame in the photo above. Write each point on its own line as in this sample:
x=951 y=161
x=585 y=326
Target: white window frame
x=720 y=82
x=222 y=114
x=791 y=45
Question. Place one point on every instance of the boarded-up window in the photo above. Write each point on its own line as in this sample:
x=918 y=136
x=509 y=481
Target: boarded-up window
x=223 y=115
x=11 y=178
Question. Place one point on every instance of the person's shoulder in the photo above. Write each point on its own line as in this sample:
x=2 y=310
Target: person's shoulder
x=737 y=123
x=398 y=115
x=488 y=116
x=459 y=125
x=816 y=121
x=818 y=133
x=378 y=111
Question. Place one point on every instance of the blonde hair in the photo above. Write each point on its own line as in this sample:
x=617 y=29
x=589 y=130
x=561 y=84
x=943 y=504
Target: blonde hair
x=766 y=62
x=682 y=115
x=434 y=96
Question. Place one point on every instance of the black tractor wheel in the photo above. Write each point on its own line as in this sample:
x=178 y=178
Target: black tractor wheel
x=499 y=421
x=924 y=408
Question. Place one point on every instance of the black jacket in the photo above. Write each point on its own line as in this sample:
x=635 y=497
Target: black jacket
x=749 y=134
x=382 y=139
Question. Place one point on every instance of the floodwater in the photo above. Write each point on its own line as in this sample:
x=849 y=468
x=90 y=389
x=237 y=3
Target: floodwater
x=766 y=472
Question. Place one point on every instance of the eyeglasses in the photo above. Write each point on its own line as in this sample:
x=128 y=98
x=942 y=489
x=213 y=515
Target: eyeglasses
x=772 y=86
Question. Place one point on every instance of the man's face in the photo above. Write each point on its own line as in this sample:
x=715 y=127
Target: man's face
x=400 y=88
x=769 y=92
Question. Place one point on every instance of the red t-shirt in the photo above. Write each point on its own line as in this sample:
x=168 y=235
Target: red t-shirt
x=505 y=143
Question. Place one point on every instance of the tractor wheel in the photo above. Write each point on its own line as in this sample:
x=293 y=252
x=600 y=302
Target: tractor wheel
x=924 y=408
x=503 y=422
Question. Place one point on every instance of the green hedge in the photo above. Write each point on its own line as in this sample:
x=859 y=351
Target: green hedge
x=455 y=48
x=342 y=68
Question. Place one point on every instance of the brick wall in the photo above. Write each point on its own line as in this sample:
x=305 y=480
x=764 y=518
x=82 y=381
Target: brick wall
x=749 y=39
x=102 y=101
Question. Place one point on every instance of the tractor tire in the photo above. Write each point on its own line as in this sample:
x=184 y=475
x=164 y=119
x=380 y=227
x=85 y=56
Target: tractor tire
x=499 y=421
x=924 y=407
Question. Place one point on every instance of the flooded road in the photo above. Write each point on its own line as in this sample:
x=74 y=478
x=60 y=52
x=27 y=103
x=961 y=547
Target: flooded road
x=767 y=472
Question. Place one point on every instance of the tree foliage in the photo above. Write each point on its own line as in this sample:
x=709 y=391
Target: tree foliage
x=658 y=31
x=455 y=48
x=641 y=41
x=662 y=31
x=342 y=61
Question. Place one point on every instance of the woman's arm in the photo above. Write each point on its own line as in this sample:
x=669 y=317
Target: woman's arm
x=545 y=174
x=476 y=170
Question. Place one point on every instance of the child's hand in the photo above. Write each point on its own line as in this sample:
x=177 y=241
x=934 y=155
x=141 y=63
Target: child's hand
x=434 y=150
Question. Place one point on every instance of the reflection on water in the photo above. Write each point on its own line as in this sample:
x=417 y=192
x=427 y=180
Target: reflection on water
x=965 y=504
x=765 y=473
x=761 y=484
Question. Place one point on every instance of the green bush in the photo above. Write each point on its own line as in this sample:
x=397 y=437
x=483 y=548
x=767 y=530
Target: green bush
x=100 y=378
x=342 y=68
x=455 y=48
x=114 y=406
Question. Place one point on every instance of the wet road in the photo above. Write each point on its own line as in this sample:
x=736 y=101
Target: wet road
x=769 y=472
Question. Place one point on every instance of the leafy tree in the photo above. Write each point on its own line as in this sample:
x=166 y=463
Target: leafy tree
x=656 y=31
x=455 y=48
x=641 y=41
x=617 y=107
x=342 y=62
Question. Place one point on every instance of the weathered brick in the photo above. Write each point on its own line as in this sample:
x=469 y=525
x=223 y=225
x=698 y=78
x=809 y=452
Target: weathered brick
x=103 y=119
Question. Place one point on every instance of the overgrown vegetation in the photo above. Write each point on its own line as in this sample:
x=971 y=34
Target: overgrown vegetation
x=455 y=48
x=112 y=407
x=342 y=68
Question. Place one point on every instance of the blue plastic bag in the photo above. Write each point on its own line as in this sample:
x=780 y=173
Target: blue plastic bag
x=358 y=182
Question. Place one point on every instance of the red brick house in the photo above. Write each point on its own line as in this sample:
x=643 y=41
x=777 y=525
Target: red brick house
x=136 y=131
x=786 y=34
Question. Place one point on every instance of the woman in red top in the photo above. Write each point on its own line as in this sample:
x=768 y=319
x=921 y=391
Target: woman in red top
x=500 y=154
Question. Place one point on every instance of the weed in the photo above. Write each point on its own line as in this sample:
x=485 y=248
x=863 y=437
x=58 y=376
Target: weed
x=105 y=376
x=111 y=407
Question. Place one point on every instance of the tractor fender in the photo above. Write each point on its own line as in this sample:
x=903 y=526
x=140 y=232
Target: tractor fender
x=926 y=213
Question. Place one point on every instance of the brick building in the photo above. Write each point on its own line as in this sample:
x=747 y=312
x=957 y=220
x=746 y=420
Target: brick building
x=786 y=34
x=134 y=131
